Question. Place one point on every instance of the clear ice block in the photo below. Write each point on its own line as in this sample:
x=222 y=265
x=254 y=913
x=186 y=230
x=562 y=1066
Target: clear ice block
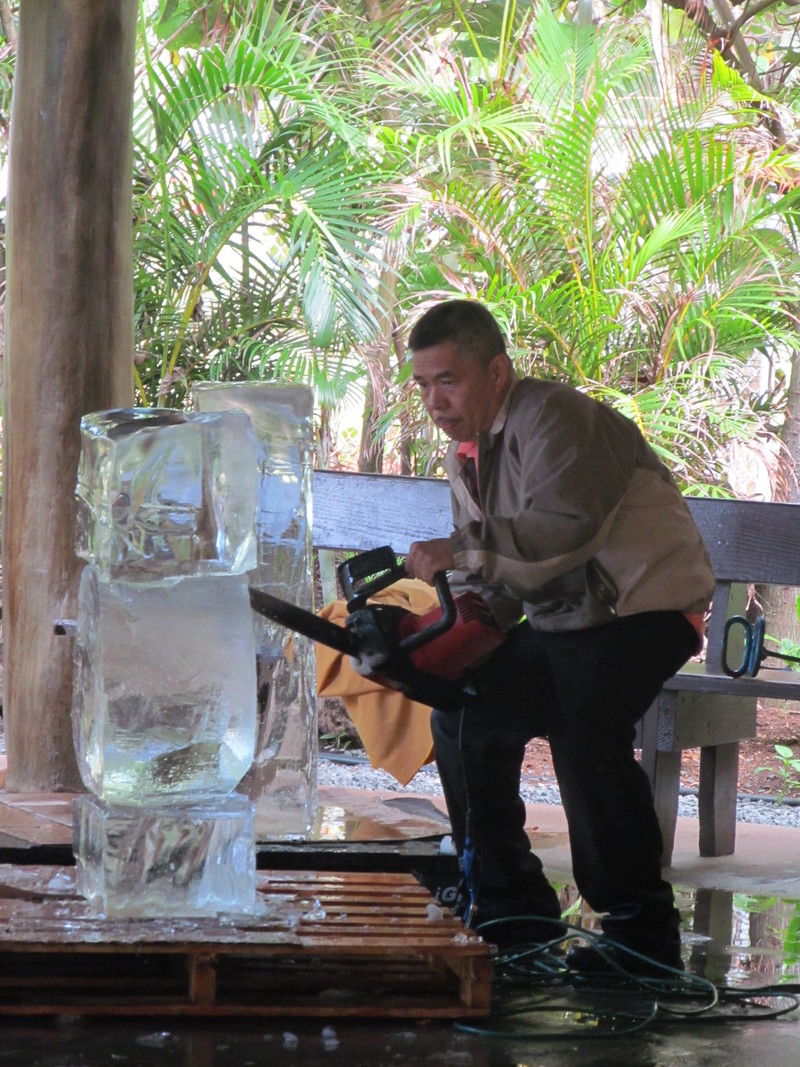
x=177 y=861
x=283 y=779
x=166 y=494
x=164 y=688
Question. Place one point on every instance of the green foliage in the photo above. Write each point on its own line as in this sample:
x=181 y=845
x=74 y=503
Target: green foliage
x=788 y=646
x=637 y=243
x=788 y=771
x=625 y=214
x=339 y=741
x=190 y=23
x=256 y=214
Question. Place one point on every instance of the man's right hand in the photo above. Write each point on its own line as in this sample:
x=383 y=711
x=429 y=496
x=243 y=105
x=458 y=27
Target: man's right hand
x=427 y=558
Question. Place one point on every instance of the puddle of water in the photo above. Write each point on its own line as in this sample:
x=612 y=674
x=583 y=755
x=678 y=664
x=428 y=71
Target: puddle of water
x=740 y=940
x=731 y=939
x=335 y=824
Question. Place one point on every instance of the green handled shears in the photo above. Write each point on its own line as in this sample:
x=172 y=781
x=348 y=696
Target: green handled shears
x=753 y=653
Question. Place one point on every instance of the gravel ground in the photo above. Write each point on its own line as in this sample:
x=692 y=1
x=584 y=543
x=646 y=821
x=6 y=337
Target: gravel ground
x=355 y=772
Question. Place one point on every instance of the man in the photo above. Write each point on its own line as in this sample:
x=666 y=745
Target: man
x=565 y=519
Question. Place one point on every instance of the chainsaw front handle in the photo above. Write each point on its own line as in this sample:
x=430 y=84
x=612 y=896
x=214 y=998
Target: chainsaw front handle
x=367 y=573
x=447 y=619
x=364 y=575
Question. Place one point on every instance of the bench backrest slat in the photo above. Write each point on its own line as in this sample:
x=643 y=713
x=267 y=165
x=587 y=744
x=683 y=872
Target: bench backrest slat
x=747 y=541
x=750 y=541
x=362 y=511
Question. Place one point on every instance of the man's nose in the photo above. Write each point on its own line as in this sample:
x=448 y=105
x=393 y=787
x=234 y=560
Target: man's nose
x=437 y=400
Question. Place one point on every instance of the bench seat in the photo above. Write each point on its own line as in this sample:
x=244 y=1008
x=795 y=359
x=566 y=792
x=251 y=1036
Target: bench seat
x=774 y=683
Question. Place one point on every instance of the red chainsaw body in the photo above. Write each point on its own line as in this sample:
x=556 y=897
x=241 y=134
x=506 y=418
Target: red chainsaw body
x=428 y=657
x=473 y=636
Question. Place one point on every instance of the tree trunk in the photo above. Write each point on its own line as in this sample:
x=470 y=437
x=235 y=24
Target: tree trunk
x=791 y=429
x=406 y=465
x=371 y=449
x=780 y=604
x=69 y=341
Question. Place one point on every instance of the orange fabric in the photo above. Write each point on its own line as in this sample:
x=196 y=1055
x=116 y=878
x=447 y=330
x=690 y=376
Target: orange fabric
x=395 y=731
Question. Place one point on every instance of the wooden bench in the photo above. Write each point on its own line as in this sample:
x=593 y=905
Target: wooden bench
x=701 y=707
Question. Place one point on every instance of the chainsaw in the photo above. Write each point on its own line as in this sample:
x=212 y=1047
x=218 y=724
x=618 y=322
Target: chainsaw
x=427 y=657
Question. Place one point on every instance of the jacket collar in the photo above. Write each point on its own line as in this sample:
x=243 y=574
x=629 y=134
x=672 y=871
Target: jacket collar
x=502 y=413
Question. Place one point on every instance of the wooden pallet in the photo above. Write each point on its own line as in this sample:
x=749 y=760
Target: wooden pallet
x=334 y=944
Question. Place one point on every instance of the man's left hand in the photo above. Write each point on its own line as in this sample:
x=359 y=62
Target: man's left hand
x=426 y=558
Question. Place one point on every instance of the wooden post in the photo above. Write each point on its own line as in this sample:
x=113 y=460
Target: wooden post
x=69 y=342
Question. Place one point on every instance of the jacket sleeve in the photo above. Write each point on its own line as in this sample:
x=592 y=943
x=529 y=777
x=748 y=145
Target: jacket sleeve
x=574 y=465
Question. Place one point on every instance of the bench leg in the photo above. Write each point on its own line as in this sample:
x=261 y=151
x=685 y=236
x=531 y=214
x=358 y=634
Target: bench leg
x=663 y=769
x=666 y=784
x=719 y=781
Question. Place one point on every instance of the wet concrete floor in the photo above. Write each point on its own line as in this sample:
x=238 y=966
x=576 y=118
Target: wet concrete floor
x=741 y=932
x=734 y=940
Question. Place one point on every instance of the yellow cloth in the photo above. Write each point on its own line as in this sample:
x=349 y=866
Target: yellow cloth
x=395 y=731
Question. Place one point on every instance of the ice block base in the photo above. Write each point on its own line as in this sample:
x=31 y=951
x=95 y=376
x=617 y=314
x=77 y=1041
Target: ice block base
x=170 y=861
x=287 y=808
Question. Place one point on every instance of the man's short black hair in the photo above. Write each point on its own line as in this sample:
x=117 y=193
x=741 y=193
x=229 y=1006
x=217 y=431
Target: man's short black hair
x=468 y=324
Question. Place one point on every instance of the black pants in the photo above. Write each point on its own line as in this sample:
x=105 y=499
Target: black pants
x=584 y=691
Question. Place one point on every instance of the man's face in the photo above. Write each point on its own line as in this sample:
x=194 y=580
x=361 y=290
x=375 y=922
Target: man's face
x=461 y=395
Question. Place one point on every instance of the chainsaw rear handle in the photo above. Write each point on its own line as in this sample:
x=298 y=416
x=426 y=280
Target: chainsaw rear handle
x=367 y=573
x=364 y=575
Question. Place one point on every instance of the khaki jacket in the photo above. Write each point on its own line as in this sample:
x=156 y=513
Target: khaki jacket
x=579 y=521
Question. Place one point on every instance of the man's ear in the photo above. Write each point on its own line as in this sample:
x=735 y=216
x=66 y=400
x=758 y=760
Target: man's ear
x=500 y=370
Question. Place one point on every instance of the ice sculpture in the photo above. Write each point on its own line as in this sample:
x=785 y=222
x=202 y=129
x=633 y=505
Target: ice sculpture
x=165 y=494
x=164 y=690
x=283 y=778
x=174 y=860
x=164 y=682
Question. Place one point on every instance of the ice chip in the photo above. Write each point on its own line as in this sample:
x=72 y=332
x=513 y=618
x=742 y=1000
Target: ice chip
x=166 y=494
